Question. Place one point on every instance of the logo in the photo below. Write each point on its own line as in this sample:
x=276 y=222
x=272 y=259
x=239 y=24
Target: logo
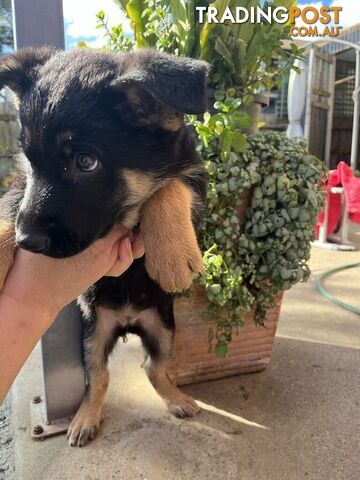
x=307 y=17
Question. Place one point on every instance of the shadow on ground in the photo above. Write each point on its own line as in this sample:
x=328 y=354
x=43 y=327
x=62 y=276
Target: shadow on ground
x=297 y=420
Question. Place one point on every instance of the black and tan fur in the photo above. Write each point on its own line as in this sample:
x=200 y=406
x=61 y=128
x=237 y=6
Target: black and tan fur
x=124 y=112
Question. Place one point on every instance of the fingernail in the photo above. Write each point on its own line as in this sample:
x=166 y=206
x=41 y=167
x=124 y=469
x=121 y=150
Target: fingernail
x=128 y=244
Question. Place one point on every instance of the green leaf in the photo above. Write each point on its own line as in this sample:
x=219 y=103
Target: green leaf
x=218 y=261
x=221 y=350
x=180 y=24
x=284 y=3
x=219 y=95
x=243 y=120
x=226 y=139
x=215 y=288
x=82 y=44
x=206 y=45
x=238 y=142
x=134 y=9
x=122 y=3
x=223 y=50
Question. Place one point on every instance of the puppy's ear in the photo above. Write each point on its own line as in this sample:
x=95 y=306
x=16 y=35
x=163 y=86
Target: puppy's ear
x=18 y=71
x=161 y=87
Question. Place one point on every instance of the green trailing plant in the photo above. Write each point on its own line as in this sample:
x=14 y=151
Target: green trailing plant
x=249 y=258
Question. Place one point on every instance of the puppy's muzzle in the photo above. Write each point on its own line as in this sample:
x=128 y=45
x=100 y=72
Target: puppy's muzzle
x=46 y=235
x=34 y=241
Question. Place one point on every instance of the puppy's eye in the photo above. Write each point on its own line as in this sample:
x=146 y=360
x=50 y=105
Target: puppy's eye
x=85 y=162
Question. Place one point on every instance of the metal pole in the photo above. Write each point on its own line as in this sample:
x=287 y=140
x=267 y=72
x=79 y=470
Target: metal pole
x=309 y=94
x=324 y=226
x=355 y=130
x=63 y=372
x=282 y=99
x=36 y=23
x=330 y=114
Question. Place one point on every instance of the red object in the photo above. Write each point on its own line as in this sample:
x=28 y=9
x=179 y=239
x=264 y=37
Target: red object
x=341 y=177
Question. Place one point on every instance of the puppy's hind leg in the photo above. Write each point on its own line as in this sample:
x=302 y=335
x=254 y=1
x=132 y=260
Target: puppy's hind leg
x=7 y=248
x=157 y=338
x=98 y=341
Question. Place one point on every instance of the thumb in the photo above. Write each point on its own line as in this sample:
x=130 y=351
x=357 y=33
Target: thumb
x=124 y=258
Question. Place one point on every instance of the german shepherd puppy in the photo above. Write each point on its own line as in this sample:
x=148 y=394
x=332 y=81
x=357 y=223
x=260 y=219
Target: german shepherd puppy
x=103 y=142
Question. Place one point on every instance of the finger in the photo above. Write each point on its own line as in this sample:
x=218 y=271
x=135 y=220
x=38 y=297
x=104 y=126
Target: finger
x=137 y=245
x=108 y=246
x=114 y=235
x=125 y=259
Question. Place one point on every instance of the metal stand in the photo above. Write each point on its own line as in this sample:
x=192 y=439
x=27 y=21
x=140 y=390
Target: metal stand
x=36 y=23
x=338 y=241
x=63 y=375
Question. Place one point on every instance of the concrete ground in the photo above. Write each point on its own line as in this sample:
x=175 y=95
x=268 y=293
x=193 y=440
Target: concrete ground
x=297 y=420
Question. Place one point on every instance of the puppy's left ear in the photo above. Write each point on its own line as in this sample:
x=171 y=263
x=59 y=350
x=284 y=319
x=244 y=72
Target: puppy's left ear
x=19 y=70
x=162 y=87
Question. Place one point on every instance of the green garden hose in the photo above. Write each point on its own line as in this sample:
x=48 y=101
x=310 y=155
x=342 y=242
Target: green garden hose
x=328 y=295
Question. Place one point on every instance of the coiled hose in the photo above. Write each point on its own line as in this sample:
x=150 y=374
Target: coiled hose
x=328 y=295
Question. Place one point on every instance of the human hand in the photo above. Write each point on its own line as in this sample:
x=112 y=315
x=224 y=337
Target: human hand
x=47 y=284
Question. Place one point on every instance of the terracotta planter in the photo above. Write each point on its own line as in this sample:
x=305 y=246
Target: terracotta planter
x=250 y=351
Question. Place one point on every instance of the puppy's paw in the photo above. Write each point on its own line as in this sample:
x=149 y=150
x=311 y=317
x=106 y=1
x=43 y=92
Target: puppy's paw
x=172 y=254
x=175 y=266
x=83 y=427
x=183 y=406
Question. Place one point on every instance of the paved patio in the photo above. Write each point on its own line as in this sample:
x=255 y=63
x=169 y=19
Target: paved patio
x=298 y=420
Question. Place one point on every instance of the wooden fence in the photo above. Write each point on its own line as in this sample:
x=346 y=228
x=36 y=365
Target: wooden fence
x=320 y=111
x=9 y=129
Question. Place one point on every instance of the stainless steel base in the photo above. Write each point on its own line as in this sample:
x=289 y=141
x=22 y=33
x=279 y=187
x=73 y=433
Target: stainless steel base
x=40 y=428
x=63 y=375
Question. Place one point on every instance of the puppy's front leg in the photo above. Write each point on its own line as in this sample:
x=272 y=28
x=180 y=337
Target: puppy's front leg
x=172 y=254
x=98 y=340
x=7 y=248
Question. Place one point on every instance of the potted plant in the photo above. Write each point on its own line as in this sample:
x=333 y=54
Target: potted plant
x=263 y=196
x=263 y=202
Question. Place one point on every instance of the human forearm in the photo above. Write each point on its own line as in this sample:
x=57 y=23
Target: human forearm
x=20 y=329
x=38 y=287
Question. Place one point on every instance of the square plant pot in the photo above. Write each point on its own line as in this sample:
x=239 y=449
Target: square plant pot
x=249 y=351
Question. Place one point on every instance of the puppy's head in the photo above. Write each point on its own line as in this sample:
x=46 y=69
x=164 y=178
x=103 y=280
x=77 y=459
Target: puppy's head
x=99 y=134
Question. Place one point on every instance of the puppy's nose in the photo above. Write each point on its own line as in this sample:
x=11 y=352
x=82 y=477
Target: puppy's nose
x=36 y=242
